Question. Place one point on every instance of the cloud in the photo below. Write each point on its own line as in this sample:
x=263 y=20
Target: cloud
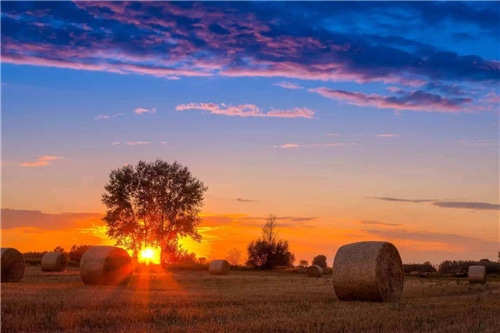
x=315 y=145
x=15 y=218
x=447 y=204
x=138 y=143
x=245 y=200
x=402 y=200
x=115 y=143
x=387 y=135
x=246 y=110
x=373 y=222
x=467 y=205
x=140 y=111
x=417 y=100
x=102 y=117
x=288 y=85
x=41 y=161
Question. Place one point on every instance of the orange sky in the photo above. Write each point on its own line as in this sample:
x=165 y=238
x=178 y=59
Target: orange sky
x=307 y=236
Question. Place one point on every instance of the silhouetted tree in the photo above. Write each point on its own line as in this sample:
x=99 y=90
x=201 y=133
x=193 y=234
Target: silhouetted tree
x=320 y=260
x=59 y=249
x=268 y=252
x=76 y=252
x=233 y=256
x=153 y=204
x=303 y=263
x=498 y=256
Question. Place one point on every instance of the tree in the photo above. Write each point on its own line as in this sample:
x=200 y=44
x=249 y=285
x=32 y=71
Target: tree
x=320 y=260
x=59 y=249
x=233 y=256
x=153 y=204
x=498 y=256
x=303 y=263
x=268 y=252
x=77 y=251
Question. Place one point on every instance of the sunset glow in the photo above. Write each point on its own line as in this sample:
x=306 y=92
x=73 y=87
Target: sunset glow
x=150 y=255
x=347 y=120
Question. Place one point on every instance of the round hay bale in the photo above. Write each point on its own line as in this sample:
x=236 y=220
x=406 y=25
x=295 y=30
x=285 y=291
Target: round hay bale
x=477 y=274
x=219 y=267
x=368 y=271
x=106 y=265
x=53 y=262
x=12 y=265
x=314 y=271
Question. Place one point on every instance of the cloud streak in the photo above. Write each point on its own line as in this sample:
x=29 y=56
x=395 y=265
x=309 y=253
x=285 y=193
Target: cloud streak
x=246 y=110
x=41 y=161
x=288 y=85
x=447 y=204
x=141 y=111
x=315 y=145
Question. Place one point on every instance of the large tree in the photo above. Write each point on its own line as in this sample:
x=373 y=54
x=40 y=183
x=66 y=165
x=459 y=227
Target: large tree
x=152 y=204
x=268 y=252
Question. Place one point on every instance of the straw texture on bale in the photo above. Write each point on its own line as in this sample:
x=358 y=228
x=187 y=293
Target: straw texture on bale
x=219 y=267
x=477 y=274
x=368 y=271
x=314 y=271
x=53 y=262
x=106 y=265
x=12 y=265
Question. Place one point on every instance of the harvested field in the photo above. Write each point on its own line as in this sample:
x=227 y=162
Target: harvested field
x=246 y=301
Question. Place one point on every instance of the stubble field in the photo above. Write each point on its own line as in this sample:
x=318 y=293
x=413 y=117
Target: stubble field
x=189 y=301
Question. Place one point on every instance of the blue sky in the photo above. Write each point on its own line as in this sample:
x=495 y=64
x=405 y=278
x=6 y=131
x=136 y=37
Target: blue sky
x=315 y=110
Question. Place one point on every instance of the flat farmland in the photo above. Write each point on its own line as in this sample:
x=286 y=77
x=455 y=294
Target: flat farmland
x=244 y=301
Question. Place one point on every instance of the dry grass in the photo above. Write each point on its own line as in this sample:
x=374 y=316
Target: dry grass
x=243 y=301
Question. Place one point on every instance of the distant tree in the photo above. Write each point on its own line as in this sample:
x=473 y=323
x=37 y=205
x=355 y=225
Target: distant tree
x=59 y=249
x=233 y=256
x=303 y=263
x=426 y=267
x=268 y=252
x=202 y=260
x=77 y=251
x=498 y=256
x=320 y=260
x=153 y=204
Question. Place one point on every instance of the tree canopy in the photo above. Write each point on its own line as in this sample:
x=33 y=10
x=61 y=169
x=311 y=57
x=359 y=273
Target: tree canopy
x=152 y=204
x=320 y=260
x=268 y=252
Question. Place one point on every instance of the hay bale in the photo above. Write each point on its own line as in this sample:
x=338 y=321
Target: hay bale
x=314 y=271
x=368 y=271
x=477 y=274
x=53 y=262
x=219 y=267
x=12 y=265
x=106 y=265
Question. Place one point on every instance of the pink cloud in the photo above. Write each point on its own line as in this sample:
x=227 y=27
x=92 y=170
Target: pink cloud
x=246 y=110
x=140 y=111
x=316 y=145
x=41 y=161
x=288 y=85
x=387 y=135
x=138 y=143
x=414 y=101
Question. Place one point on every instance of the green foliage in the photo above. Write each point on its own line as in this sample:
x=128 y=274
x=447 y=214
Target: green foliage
x=320 y=260
x=77 y=251
x=267 y=252
x=152 y=204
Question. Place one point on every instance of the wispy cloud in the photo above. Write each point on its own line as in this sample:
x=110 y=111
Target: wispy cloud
x=402 y=200
x=417 y=100
x=138 y=143
x=288 y=85
x=467 y=205
x=447 y=204
x=115 y=143
x=373 y=222
x=105 y=116
x=245 y=200
x=315 y=145
x=387 y=135
x=41 y=161
x=246 y=110
x=140 y=111
x=333 y=134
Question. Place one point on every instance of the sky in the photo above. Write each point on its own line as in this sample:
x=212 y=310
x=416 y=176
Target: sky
x=348 y=121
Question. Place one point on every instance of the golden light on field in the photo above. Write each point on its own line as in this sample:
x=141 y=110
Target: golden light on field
x=150 y=255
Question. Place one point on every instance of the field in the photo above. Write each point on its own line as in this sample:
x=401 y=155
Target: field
x=190 y=301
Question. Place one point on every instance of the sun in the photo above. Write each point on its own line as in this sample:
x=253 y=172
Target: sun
x=149 y=255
